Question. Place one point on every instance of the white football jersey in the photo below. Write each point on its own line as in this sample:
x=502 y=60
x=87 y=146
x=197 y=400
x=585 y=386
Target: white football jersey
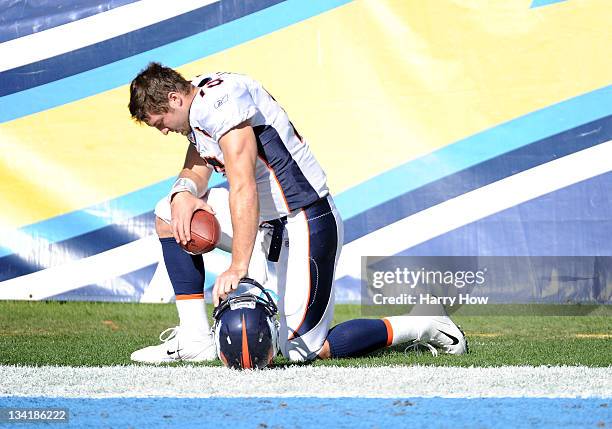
x=287 y=174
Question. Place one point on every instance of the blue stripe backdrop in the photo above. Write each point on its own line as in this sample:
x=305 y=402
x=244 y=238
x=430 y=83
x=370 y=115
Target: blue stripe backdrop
x=582 y=226
x=127 y=45
x=493 y=142
x=83 y=233
x=130 y=287
x=479 y=175
x=22 y=17
x=173 y=54
x=378 y=190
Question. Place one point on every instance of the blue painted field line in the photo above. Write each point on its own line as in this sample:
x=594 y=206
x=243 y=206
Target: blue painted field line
x=174 y=54
x=238 y=413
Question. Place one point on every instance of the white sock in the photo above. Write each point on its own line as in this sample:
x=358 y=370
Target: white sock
x=192 y=315
x=406 y=328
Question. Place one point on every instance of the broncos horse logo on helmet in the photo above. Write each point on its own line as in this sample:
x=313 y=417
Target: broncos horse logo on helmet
x=246 y=329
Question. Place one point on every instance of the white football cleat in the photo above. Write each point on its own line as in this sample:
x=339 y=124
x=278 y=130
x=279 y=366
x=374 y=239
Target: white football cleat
x=446 y=336
x=177 y=346
x=438 y=332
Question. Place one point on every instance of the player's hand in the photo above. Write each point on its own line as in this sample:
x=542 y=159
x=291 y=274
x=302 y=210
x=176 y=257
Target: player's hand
x=227 y=282
x=182 y=207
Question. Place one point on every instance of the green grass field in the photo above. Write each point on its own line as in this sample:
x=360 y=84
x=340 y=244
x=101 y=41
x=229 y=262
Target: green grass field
x=100 y=334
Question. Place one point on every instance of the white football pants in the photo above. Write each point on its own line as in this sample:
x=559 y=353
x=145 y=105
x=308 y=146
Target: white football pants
x=302 y=279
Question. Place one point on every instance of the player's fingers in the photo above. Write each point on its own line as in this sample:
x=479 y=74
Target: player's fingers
x=221 y=295
x=215 y=296
x=179 y=230
x=206 y=207
x=187 y=228
x=174 y=225
x=219 y=289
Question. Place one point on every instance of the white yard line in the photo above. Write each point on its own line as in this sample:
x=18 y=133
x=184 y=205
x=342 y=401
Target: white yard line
x=306 y=381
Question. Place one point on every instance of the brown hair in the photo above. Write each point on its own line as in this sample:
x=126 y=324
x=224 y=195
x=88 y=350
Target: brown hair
x=149 y=90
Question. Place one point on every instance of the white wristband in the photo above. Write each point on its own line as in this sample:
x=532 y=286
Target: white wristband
x=183 y=184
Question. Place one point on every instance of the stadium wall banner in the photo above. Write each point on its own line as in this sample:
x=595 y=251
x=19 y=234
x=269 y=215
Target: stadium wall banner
x=447 y=128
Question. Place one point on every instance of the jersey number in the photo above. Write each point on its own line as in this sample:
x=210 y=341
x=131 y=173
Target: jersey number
x=206 y=83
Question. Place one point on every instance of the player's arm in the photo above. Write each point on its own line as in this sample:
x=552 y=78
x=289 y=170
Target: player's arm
x=240 y=154
x=196 y=169
x=186 y=201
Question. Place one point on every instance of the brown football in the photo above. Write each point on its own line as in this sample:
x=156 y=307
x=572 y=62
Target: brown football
x=205 y=233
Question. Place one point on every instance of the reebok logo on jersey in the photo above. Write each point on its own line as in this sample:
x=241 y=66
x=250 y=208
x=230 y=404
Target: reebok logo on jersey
x=220 y=102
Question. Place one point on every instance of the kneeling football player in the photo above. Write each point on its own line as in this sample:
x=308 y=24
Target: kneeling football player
x=278 y=210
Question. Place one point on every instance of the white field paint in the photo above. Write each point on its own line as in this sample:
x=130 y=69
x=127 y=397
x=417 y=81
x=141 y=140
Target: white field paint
x=306 y=381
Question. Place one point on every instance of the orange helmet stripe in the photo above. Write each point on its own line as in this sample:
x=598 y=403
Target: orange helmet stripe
x=246 y=356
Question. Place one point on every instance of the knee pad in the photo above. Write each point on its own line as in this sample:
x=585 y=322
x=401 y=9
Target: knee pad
x=162 y=209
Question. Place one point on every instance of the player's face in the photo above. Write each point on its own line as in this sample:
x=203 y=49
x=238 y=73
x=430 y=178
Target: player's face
x=172 y=121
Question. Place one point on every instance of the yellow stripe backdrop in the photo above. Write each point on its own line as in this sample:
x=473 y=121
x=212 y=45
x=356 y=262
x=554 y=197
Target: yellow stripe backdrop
x=371 y=85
